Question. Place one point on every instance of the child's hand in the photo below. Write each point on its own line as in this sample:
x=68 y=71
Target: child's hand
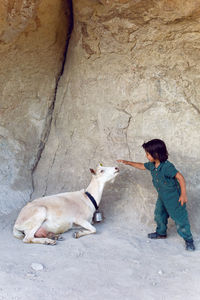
x=122 y=161
x=136 y=165
x=183 y=199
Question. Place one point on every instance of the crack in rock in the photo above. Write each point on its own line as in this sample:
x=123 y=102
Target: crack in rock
x=49 y=117
x=125 y=129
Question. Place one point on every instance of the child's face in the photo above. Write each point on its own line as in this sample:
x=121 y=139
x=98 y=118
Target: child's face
x=149 y=157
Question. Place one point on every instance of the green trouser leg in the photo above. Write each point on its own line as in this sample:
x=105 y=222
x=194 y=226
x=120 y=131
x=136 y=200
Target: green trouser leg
x=179 y=214
x=161 y=217
x=170 y=206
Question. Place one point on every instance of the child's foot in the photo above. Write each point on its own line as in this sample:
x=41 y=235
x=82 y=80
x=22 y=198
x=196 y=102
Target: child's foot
x=155 y=235
x=189 y=245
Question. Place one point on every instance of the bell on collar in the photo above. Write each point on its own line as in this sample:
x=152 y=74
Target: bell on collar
x=98 y=216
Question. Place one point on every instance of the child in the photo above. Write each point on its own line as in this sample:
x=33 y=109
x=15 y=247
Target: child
x=171 y=188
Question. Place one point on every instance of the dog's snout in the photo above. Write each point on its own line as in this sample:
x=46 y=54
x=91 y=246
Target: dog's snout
x=117 y=169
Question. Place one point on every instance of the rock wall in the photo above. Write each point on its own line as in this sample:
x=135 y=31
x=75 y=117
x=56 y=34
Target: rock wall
x=131 y=74
x=33 y=37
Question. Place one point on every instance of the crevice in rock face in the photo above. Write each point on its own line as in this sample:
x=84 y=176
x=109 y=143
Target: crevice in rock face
x=125 y=129
x=192 y=104
x=47 y=176
x=126 y=136
x=49 y=117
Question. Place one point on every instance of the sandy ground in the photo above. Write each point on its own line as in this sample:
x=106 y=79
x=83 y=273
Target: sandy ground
x=118 y=262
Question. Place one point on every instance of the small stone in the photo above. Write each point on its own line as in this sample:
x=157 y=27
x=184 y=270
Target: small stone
x=37 y=267
x=185 y=270
x=31 y=275
x=160 y=272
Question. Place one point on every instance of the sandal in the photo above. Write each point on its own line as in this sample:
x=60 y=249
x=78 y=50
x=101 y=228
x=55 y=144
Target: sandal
x=155 y=235
x=189 y=245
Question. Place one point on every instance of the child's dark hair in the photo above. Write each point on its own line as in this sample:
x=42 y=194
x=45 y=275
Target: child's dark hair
x=157 y=149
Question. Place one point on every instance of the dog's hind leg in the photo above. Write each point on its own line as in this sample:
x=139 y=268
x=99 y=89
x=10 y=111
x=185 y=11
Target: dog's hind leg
x=32 y=225
x=42 y=233
x=55 y=237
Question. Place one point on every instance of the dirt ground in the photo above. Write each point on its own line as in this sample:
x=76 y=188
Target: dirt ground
x=118 y=262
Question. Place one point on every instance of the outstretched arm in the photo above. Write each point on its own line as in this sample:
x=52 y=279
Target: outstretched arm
x=132 y=164
x=183 y=197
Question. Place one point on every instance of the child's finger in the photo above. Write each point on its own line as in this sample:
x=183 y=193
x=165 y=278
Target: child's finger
x=181 y=200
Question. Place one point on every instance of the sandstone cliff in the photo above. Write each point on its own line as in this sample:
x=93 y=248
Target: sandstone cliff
x=131 y=74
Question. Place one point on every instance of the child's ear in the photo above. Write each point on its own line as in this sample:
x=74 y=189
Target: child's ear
x=93 y=171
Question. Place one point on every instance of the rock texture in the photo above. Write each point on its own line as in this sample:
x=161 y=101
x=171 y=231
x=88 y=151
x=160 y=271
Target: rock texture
x=131 y=74
x=33 y=37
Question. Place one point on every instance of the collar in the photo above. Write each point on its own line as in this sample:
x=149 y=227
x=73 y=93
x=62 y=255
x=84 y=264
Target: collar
x=159 y=167
x=92 y=199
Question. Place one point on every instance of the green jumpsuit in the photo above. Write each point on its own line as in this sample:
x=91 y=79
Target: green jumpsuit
x=168 y=204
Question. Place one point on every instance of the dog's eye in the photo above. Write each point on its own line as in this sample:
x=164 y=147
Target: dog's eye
x=102 y=171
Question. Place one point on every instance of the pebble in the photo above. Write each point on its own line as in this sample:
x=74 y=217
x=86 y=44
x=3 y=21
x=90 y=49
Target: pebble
x=160 y=272
x=37 y=266
x=31 y=275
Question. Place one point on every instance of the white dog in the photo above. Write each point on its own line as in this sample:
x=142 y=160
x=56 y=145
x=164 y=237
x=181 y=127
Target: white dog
x=44 y=219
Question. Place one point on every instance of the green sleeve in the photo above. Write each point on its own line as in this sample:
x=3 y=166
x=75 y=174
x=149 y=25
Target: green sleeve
x=170 y=170
x=149 y=166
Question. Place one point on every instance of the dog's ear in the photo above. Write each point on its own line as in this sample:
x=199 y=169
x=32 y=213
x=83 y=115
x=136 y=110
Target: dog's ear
x=93 y=171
